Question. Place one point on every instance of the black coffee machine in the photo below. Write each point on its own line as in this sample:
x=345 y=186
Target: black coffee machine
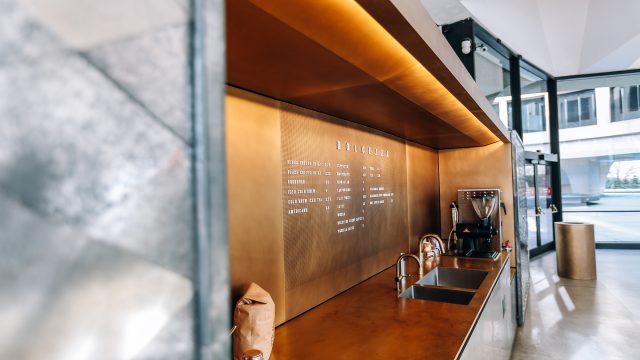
x=478 y=226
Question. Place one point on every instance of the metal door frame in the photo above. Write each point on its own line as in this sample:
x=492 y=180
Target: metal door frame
x=545 y=159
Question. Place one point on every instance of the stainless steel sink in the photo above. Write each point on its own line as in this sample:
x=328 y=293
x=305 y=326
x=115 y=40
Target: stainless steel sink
x=438 y=294
x=454 y=277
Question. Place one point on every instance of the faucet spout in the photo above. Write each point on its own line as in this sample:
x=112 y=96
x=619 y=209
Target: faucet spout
x=400 y=273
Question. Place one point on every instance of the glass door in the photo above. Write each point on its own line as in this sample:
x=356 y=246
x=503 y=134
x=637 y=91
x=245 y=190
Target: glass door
x=540 y=207
x=545 y=203
x=532 y=205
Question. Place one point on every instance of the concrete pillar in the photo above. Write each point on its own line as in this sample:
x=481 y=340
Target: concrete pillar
x=97 y=221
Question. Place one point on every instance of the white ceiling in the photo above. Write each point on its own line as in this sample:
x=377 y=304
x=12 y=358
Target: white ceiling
x=563 y=37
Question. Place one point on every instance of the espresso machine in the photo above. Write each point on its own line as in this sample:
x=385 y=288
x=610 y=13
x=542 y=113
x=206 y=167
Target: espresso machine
x=478 y=225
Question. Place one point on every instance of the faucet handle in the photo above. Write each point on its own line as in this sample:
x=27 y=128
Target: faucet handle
x=431 y=244
x=427 y=247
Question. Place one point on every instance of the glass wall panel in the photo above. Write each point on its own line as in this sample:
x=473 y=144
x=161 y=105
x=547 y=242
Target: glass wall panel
x=600 y=154
x=535 y=115
x=493 y=76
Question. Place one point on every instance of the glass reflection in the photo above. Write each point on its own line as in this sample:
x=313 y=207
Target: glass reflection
x=493 y=76
x=535 y=115
x=600 y=153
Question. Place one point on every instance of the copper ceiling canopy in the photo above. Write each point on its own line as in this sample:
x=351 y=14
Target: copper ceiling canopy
x=361 y=61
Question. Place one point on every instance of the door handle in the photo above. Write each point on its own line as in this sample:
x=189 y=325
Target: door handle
x=553 y=208
x=539 y=211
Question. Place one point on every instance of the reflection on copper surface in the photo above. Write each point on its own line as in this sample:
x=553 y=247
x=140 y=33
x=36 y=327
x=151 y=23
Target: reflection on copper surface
x=346 y=64
x=348 y=30
x=359 y=224
x=256 y=214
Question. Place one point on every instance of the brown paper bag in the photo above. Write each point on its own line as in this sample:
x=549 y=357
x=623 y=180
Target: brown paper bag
x=254 y=318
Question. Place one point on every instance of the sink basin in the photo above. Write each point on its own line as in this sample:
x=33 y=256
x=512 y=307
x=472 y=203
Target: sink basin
x=454 y=277
x=438 y=294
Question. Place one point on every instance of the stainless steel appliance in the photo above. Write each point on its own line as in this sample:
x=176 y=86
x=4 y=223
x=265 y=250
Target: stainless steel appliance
x=479 y=227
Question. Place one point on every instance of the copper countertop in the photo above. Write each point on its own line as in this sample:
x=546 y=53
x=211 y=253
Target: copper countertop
x=370 y=321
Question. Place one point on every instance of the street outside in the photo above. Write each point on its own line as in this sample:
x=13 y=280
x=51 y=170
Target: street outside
x=609 y=226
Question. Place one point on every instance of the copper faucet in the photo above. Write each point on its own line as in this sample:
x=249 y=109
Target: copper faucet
x=400 y=268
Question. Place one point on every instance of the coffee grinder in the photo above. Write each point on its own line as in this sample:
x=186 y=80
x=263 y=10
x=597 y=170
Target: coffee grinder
x=479 y=223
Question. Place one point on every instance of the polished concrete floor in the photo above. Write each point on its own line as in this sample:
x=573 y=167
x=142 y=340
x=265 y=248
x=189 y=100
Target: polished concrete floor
x=577 y=319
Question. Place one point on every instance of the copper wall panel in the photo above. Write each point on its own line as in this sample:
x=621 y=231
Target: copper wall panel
x=345 y=201
x=479 y=167
x=269 y=57
x=310 y=262
x=423 y=194
x=254 y=195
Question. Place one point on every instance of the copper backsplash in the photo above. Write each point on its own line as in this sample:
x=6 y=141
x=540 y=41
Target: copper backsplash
x=480 y=167
x=304 y=257
x=423 y=196
x=357 y=179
